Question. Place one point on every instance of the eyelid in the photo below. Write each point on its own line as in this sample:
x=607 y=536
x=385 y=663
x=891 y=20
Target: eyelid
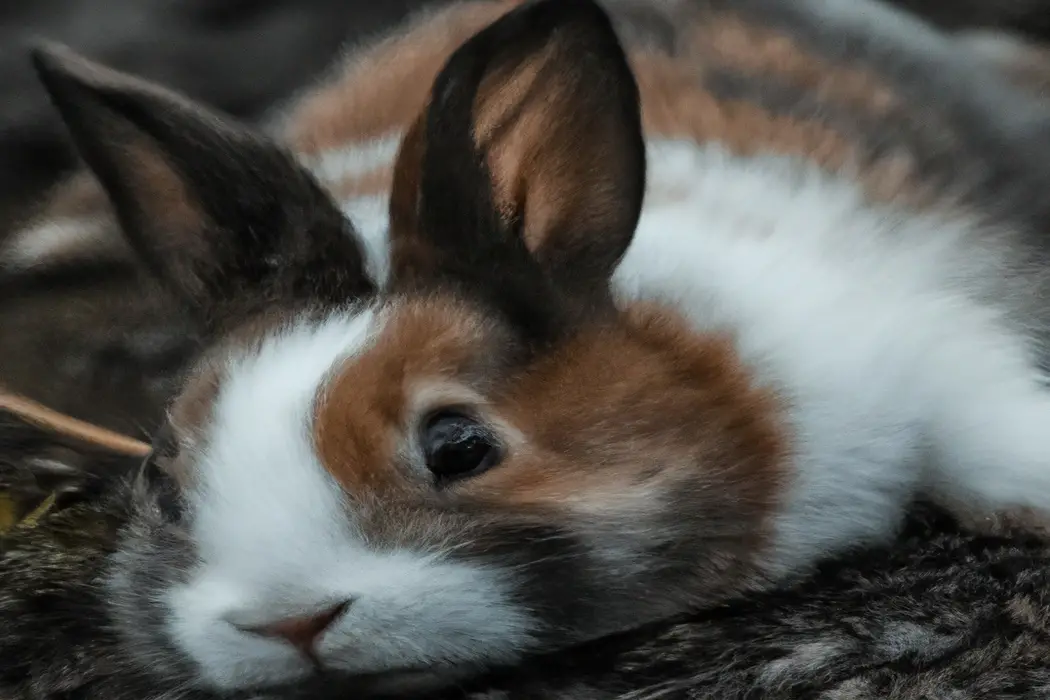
x=452 y=409
x=478 y=426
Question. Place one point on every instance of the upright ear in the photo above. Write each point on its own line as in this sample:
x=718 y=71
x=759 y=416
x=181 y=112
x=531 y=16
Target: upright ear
x=224 y=216
x=531 y=145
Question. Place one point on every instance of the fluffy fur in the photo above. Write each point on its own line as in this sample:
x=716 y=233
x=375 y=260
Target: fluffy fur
x=939 y=612
x=728 y=301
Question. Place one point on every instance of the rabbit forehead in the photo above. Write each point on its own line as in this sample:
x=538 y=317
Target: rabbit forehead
x=287 y=418
x=332 y=397
x=257 y=414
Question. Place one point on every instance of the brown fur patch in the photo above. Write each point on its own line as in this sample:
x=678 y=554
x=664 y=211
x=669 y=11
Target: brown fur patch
x=648 y=401
x=365 y=408
x=543 y=149
x=169 y=209
x=675 y=104
x=164 y=190
x=189 y=416
x=510 y=128
x=384 y=87
x=192 y=410
x=642 y=419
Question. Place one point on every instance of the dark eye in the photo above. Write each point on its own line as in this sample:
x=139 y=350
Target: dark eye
x=457 y=445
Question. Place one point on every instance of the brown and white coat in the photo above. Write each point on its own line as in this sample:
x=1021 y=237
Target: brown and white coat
x=702 y=312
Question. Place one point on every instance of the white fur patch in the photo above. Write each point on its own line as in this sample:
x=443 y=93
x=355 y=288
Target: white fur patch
x=867 y=321
x=368 y=213
x=371 y=220
x=276 y=539
x=356 y=158
x=997 y=46
x=52 y=240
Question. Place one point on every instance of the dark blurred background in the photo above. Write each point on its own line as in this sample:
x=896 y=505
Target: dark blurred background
x=239 y=55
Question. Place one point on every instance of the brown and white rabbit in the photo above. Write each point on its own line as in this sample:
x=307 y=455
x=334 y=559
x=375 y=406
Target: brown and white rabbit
x=523 y=337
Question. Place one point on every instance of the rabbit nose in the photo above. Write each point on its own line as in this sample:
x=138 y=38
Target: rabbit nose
x=302 y=632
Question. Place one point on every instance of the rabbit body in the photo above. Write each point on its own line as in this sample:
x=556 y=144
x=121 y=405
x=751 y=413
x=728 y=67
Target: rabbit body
x=537 y=322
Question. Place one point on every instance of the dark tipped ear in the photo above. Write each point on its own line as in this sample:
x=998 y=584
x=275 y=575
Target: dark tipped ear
x=225 y=217
x=531 y=144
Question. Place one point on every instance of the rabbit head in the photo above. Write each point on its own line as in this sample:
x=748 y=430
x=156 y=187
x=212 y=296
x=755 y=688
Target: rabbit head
x=481 y=456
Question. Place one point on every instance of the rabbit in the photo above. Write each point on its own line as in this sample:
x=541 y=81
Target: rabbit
x=537 y=322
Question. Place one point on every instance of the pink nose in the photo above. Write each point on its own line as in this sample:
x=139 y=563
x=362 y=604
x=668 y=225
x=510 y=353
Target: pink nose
x=302 y=632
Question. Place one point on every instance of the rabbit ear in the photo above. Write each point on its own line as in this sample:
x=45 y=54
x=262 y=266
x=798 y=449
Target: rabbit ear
x=531 y=147
x=225 y=217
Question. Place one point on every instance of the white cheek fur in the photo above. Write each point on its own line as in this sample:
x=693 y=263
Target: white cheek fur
x=275 y=539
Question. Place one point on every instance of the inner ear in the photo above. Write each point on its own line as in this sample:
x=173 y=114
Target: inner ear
x=224 y=216
x=561 y=137
x=531 y=146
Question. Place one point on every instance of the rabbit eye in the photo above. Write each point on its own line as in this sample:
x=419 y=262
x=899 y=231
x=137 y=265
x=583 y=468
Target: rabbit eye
x=456 y=445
